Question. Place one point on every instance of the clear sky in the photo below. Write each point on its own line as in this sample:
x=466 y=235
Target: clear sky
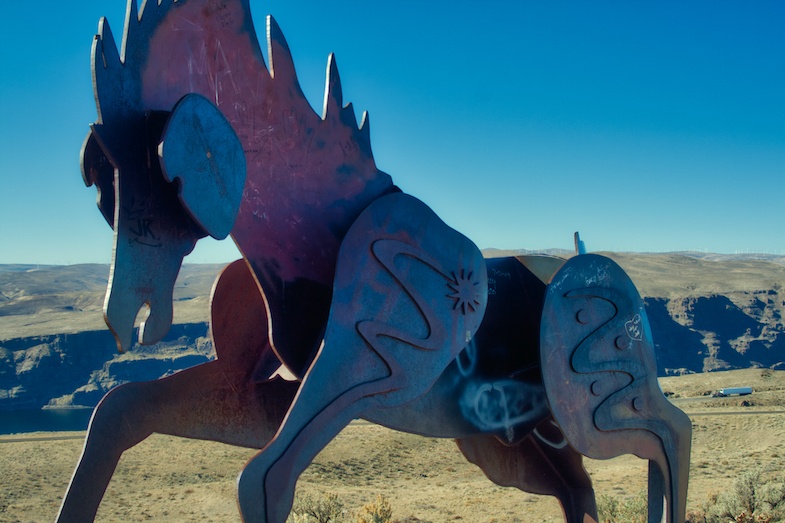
x=647 y=126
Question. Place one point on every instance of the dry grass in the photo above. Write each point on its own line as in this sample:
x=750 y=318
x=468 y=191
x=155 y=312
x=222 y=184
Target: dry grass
x=166 y=478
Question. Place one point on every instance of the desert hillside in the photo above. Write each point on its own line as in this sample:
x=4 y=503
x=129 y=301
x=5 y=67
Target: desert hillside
x=426 y=480
x=712 y=312
x=708 y=313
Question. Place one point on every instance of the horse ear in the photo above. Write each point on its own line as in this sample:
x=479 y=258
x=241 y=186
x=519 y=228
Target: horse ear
x=200 y=148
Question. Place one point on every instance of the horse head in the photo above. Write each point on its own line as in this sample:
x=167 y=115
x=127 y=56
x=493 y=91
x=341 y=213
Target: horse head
x=165 y=179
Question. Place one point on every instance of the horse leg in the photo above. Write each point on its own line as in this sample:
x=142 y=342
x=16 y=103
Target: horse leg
x=600 y=374
x=409 y=294
x=542 y=463
x=203 y=402
x=219 y=400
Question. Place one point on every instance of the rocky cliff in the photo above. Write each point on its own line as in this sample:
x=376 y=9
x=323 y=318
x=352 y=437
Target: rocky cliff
x=711 y=312
x=77 y=369
x=55 y=349
x=718 y=332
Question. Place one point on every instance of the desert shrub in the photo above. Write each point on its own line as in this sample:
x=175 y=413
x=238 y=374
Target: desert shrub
x=612 y=509
x=378 y=511
x=753 y=498
x=327 y=508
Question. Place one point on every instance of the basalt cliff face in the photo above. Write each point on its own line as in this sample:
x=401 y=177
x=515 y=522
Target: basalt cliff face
x=55 y=350
x=77 y=369
x=707 y=312
x=711 y=312
x=718 y=332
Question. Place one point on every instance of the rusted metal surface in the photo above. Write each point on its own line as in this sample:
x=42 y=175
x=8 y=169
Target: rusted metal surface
x=601 y=376
x=361 y=291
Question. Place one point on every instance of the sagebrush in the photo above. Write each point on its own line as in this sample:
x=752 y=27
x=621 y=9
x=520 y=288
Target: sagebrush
x=611 y=509
x=328 y=508
x=756 y=496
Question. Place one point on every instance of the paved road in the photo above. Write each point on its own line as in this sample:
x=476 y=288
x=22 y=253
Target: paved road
x=680 y=402
x=734 y=412
x=695 y=399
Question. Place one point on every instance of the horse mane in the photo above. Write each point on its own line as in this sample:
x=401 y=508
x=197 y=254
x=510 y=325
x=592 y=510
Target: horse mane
x=142 y=24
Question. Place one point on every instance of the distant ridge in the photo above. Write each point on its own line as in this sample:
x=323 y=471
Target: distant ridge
x=746 y=256
x=490 y=252
x=493 y=252
x=39 y=300
x=24 y=267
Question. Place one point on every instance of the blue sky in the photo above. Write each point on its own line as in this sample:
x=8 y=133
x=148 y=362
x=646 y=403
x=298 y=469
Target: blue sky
x=647 y=126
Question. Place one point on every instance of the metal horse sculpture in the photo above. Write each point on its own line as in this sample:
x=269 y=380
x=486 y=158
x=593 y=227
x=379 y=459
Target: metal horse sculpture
x=378 y=308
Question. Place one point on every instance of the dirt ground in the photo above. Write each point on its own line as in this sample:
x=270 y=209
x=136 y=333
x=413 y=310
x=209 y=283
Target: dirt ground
x=173 y=479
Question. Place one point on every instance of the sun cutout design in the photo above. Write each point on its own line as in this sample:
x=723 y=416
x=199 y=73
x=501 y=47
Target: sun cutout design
x=465 y=292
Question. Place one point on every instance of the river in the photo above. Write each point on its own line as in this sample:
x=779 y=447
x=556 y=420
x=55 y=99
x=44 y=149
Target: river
x=44 y=420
